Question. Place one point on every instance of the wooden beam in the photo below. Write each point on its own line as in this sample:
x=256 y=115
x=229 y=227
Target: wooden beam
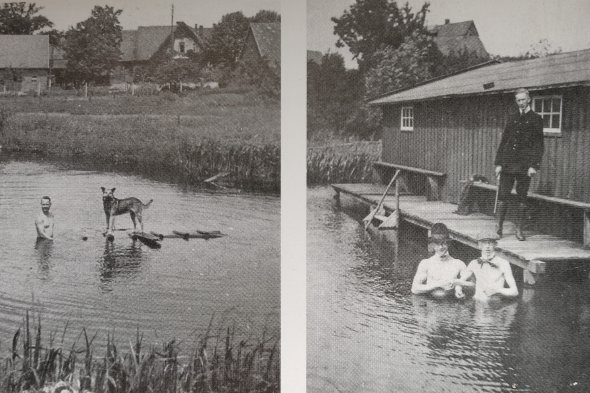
x=586 y=238
x=409 y=169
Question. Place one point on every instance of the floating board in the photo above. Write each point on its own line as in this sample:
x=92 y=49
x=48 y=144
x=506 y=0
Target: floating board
x=146 y=238
x=199 y=234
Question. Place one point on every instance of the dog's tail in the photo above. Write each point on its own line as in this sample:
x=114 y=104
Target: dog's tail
x=145 y=206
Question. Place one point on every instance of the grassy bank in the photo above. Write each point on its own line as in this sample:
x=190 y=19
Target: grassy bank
x=216 y=362
x=342 y=162
x=234 y=135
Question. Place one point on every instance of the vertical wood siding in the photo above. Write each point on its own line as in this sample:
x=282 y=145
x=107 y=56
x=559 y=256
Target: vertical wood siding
x=460 y=137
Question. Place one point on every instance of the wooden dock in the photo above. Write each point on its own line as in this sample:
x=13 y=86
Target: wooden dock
x=531 y=255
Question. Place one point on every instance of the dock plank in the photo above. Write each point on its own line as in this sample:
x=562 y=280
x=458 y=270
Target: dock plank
x=419 y=211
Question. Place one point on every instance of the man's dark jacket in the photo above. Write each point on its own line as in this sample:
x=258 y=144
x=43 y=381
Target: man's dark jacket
x=521 y=146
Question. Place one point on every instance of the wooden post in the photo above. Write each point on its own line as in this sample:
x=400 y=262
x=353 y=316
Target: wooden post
x=533 y=274
x=586 y=234
x=337 y=203
x=433 y=193
x=85 y=89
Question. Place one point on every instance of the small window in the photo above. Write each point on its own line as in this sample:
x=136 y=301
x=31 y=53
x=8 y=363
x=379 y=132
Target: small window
x=407 y=118
x=34 y=79
x=549 y=107
x=181 y=47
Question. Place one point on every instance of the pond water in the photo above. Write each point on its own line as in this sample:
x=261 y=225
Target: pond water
x=367 y=333
x=125 y=286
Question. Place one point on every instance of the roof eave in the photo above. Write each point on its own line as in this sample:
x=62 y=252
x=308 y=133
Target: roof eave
x=492 y=92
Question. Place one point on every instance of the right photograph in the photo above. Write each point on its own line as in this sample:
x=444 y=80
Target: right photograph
x=448 y=199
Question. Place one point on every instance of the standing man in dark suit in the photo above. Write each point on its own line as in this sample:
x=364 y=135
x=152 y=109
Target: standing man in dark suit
x=518 y=159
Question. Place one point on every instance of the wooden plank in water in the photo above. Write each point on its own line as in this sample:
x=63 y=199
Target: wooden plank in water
x=146 y=238
x=199 y=234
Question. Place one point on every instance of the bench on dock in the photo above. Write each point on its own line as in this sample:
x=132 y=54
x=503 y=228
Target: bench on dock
x=583 y=206
x=434 y=180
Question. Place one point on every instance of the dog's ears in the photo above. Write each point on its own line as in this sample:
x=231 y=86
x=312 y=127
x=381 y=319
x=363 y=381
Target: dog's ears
x=103 y=189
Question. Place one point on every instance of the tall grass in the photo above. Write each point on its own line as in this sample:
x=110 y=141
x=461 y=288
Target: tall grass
x=342 y=162
x=218 y=362
x=242 y=141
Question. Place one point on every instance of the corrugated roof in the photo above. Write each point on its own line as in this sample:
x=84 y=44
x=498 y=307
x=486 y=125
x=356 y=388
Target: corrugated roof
x=24 y=51
x=268 y=40
x=564 y=69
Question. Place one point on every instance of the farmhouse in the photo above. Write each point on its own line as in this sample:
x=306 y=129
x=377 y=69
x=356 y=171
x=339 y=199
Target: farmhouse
x=24 y=63
x=152 y=44
x=452 y=127
x=263 y=43
x=458 y=37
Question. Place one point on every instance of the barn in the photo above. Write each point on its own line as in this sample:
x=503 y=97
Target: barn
x=24 y=64
x=449 y=129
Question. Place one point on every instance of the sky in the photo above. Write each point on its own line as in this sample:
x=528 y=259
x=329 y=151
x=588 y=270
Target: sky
x=66 y=13
x=506 y=27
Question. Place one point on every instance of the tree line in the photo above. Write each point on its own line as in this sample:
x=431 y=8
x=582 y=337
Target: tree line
x=394 y=50
x=92 y=46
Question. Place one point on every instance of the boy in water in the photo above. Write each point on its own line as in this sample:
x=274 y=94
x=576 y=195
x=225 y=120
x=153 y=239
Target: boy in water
x=439 y=275
x=493 y=275
x=44 y=221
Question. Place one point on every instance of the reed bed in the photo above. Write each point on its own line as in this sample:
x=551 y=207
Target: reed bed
x=218 y=362
x=342 y=162
x=242 y=142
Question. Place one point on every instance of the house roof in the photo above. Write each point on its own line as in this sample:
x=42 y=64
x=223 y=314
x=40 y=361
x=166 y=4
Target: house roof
x=454 y=29
x=315 y=56
x=455 y=37
x=143 y=43
x=560 y=70
x=24 y=51
x=268 y=40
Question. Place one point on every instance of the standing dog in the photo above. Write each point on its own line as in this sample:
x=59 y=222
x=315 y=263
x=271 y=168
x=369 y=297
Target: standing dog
x=114 y=207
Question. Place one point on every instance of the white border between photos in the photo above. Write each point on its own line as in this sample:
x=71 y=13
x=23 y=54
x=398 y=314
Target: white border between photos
x=293 y=196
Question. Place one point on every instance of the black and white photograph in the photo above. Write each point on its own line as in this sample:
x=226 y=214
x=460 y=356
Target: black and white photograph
x=140 y=180
x=448 y=196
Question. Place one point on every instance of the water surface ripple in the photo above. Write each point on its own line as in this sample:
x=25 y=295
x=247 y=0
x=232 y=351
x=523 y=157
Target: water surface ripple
x=367 y=333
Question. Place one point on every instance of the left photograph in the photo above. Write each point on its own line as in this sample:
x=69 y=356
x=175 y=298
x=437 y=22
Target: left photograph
x=140 y=196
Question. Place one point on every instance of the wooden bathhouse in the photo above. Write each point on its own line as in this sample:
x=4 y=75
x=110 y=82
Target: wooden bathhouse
x=446 y=130
x=439 y=134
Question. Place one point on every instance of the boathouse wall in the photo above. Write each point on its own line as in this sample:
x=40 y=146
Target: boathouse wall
x=459 y=136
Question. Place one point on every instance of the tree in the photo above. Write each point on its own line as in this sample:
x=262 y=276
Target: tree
x=175 y=71
x=372 y=25
x=56 y=37
x=266 y=16
x=333 y=94
x=92 y=47
x=22 y=18
x=227 y=39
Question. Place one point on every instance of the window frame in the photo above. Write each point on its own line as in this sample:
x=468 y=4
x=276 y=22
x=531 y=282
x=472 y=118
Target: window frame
x=410 y=117
x=550 y=131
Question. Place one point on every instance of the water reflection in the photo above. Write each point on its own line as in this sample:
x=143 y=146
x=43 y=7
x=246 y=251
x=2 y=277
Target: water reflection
x=366 y=332
x=118 y=261
x=44 y=248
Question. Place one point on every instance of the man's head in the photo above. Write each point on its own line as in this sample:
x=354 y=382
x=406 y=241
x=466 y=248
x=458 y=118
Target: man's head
x=522 y=98
x=439 y=239
x=487 y=242
x=45 y=204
